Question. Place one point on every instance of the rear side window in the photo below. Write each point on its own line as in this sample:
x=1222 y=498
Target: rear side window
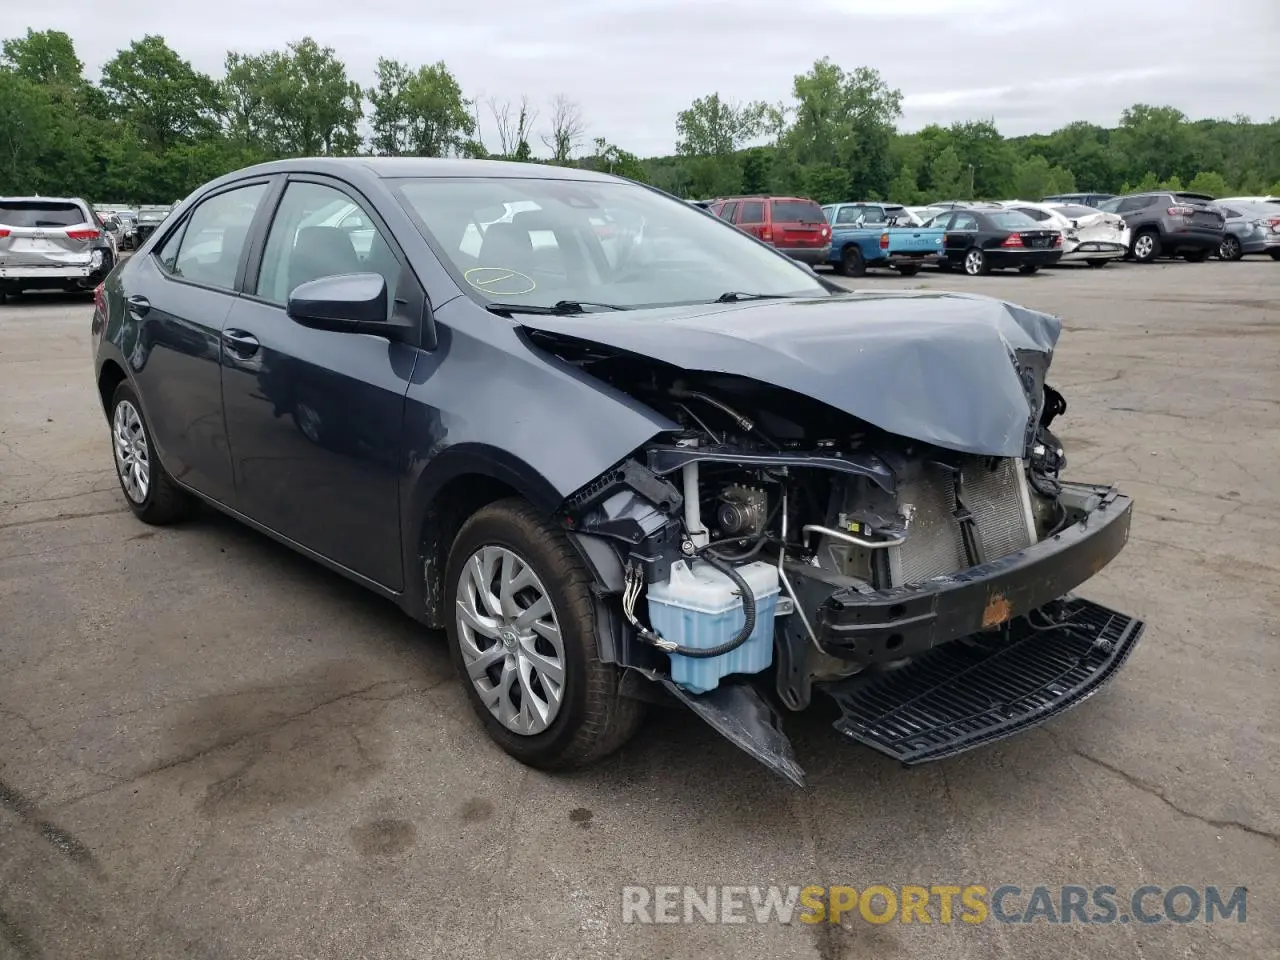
x=40 y=213
x=752 y=211
x=1011 y=220
x=1033 y=213
x=728 y=210
x=214 y=238
x=848 y=215
x=964 y=221
x=797 y=211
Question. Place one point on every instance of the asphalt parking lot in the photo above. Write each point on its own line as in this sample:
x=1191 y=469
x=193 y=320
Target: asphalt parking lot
x=210 y=747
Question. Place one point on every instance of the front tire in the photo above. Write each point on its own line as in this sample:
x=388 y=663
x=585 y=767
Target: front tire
x=523 y=638
x=150 y=492
x=851 y=263
x=975 y=263
x=1146 y=246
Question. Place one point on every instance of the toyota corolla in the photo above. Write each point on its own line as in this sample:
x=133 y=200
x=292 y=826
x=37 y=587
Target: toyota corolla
x=620 y=452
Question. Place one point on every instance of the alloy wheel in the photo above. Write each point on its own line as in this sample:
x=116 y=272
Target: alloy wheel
x=133 y=460
x=1144 y=246
x=1230 y=248
x=973 y=262
x=510 y=640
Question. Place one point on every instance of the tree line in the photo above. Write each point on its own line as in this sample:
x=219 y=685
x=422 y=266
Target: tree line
x=153 y=127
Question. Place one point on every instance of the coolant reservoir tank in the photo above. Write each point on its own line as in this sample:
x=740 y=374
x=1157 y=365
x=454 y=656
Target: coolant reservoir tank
x=699 y=607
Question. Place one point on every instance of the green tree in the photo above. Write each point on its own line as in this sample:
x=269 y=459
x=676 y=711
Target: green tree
x=1208 y=182
x=1156 y=139
x=904 y=188
x=418 y=112
x=1173 y=183
x=845 y=121
x=945 y=181
x=159 y=94
x=712 y=127
x=298 y=101
x=46 y=57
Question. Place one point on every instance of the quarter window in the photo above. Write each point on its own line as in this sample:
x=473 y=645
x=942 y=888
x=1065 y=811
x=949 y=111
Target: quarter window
x=752 y=212
x=728 y=210
x=209 y=247
x=964 y=221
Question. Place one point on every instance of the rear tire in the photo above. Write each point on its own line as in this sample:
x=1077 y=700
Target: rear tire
x=1275 y=254
x=1029 y=268
x=1098 y=262
x=1230 y=248
x=151 y=493
x=1146 y=246
x=591 y=718
x=851 y=262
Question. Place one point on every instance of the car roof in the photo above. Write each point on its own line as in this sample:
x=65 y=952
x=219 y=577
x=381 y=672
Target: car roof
x=427 y=167
x=75 y=200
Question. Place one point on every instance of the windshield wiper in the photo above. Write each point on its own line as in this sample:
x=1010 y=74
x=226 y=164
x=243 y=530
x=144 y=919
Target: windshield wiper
x=561 y=308
x=733 y=296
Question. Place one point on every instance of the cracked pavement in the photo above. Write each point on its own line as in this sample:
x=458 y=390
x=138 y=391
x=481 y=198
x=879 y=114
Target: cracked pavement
x=210 y=747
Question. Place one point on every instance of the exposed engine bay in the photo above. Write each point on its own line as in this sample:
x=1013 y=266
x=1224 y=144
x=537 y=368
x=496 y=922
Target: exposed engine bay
x=776 y=541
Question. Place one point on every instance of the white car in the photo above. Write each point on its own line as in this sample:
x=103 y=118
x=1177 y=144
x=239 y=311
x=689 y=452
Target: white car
x=1088 y=234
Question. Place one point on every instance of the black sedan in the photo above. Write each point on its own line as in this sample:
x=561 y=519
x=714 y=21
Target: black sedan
x=981 y=240
x=619 y=451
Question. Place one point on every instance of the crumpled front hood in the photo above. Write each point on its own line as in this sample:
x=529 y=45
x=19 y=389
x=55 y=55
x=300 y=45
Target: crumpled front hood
x=960 y=371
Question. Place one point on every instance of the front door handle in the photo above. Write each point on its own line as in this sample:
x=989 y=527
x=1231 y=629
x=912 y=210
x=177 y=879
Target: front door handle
x=241 y=343
x=139 y=304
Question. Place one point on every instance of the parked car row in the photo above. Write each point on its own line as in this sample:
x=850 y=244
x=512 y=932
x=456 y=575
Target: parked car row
x=978 y=236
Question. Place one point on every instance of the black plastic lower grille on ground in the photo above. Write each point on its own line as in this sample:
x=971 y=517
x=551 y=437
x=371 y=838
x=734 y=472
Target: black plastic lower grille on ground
x=985 y=688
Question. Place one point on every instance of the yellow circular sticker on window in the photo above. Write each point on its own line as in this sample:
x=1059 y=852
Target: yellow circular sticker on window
x=499 y=281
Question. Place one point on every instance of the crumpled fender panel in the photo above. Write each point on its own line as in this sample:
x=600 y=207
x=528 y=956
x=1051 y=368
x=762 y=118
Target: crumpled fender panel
x=960 y=371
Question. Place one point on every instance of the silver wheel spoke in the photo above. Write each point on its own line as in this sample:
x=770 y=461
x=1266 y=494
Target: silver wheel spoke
x=501 y=599
x=133 y=461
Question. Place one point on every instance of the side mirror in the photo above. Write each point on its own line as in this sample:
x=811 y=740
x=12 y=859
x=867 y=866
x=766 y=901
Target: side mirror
x=347 y=303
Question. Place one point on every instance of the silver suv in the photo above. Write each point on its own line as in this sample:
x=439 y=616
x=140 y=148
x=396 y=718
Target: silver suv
x=1168 y=224
x=51 y=242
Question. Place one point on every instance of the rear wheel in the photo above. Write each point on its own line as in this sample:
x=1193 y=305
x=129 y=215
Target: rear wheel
x=1275 y=254
x=1196 y=256
x=1230 y=248
x=523 y=638
x=975 y=263
x=1029 y=268
x=150 y=491
x=1146 y=246
x=1098 y=262
x=851 y=262
x=909 y=269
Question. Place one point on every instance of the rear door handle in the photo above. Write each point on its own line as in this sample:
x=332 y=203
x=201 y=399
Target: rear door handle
x=139 y=304
x=241 y=343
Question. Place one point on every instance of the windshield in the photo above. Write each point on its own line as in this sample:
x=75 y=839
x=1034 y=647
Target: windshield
x=797 y=211
x=19 y=213
x=538 y=242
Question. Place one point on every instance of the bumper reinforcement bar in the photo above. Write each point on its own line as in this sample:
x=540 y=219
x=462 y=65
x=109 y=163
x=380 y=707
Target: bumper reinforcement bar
x=986 y=687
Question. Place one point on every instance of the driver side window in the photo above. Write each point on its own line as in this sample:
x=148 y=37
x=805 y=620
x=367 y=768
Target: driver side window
x=320 y=231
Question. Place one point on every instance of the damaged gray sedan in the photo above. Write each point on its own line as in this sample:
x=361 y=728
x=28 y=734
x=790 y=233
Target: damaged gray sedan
x=620 y=452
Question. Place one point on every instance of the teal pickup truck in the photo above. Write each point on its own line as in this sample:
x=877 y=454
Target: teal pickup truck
x=874 y=234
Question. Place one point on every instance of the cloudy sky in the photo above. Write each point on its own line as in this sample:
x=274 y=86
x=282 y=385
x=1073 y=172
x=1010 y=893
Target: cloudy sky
x=1031 y=65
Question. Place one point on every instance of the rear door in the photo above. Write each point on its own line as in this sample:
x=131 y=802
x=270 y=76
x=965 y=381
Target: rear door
x=179 y=296
x=962 y=233
x=314 y=418
x=751 y=218
x=798 y=224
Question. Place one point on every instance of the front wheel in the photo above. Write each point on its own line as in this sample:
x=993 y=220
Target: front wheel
x=149 y=490
x=523 y=638
x=975 y=263
x=851 y=263
x=1146 y=247
x=1230 y=248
